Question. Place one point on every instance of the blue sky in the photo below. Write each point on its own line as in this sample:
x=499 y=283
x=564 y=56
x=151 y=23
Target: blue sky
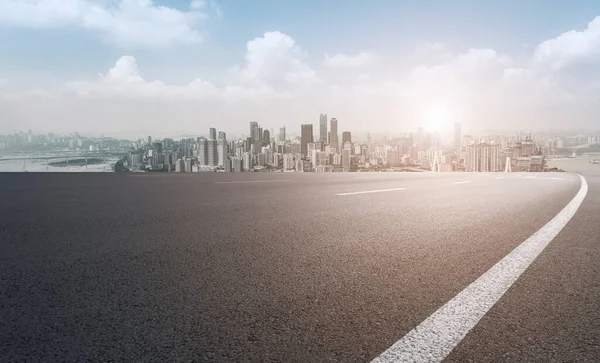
x=65 y=50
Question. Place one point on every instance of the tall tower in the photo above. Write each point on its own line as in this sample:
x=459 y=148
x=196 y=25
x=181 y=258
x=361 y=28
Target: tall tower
x=333 y=136
x=282 y=134
x=306 y=138
x=222 y=149
x=213 y=133
x=323 y=127
x=253 y=126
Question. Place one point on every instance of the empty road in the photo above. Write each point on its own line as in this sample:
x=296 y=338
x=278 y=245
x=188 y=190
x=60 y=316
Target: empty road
x=300 y=267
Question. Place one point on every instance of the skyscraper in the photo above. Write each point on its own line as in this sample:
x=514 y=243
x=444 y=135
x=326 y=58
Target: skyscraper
x=282 y=134
x=222 y=149
x=323 y=127
x=333 y=136
x=266 y=137
x=346 y=137
x=213 y=154
x=253 y=126
x=457 y=134
x=306 y=138
x=257 y=139
x=203 y=152
x=212 y=134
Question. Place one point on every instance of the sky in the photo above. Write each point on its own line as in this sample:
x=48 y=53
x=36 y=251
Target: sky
x=136 y=67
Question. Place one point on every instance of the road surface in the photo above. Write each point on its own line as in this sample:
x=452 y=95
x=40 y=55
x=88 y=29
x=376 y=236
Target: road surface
x=291 y=267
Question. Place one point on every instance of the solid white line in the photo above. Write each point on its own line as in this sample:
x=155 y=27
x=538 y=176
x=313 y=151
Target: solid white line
x=365 y=177
x=462 y=182
x=436 y=336
x=498 y=178
x=252 y=181
x=371 y=191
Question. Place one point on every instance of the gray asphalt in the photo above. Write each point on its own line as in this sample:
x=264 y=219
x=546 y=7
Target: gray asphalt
x=201 y=267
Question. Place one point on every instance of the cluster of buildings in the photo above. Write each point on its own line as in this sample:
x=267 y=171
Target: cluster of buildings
x=51 y=142
x=325 y=151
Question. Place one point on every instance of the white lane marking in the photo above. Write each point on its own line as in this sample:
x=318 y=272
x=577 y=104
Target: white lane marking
x=498 y=178
x=365 y=177
x=542 y=177
x=462 y=182
x=436 y=336
x=371 y=191
x=252 y=181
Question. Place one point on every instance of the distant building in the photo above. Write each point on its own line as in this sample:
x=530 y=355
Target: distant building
x=333 y=135
x=323 y=127
x=248 y=162
x=203 y=152
x=213 y=153
x=237 y=164
x=346 y=137
x=299 y=165
x=282 y=134
x=483 y=158
x=346 y=159
x=222 y=148
x=306 y=138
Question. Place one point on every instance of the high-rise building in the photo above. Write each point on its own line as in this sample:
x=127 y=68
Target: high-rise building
x=203 y=152
x=483 y=158
x=222 y=149
x=248 y=161
x=282 y=134
x=306 y=138
x=257 y=139
x=237 y=164
x=213 y=153
x=333 y=136
x=323 y=127
x=457 y=134
x=346 y=159
x=266 y=137
x=346 y=137
x=212 y=133
x=253 y=126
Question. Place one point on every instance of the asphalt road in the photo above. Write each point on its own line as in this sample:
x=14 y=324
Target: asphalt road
x=291 y=267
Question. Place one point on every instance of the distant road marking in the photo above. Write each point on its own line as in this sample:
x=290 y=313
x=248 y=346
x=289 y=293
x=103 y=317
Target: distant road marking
x=371 y=191
x=462 y=182
x=542 y=177
x=365 y=177
x=252 y=181
x=438 y=335
x=498 y=178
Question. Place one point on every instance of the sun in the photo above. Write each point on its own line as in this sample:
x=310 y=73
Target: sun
x=437 y=118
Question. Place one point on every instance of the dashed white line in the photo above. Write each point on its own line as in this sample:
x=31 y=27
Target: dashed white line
x=498 y=178
x=370 y=191
x=462 y=182
x=253 y=181
x=438 y=335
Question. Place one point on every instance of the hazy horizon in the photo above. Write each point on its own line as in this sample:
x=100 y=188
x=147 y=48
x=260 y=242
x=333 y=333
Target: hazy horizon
x=172 y=67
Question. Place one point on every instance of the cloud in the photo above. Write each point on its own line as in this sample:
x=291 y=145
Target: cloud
x=276 y=84
x=124 y=81
x=275 y=61
x=3 y=82
x=123 y=22
x=343 y=60
x=571 y=48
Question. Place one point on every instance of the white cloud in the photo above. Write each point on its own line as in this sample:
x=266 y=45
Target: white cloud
x=274 y=60
x=124 y=80
x=276 y=85
x=570 y=48
x=124 y=22
x=343 y=60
